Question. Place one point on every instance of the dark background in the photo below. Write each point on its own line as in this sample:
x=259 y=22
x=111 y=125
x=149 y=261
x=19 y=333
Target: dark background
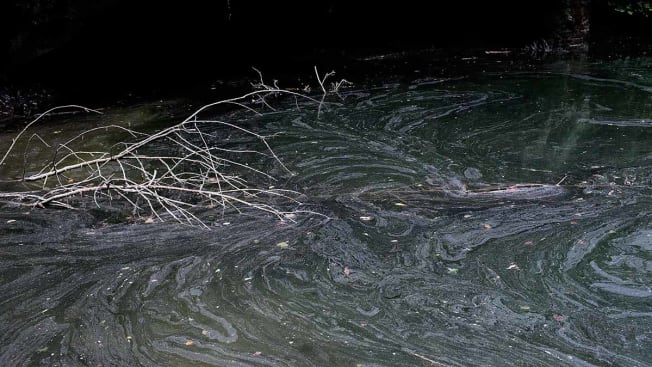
x=113 y=45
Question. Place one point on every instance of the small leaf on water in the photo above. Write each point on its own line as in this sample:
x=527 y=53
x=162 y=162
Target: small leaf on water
x=42 y=350
x=400 y=204
x=366 y=218
x=513 y=266
x=257 y=353
x=149 y=220
x=558 y=317
x=452 y=270
x=11 y=221
x=283 y=244
x=347 y=271
x=524 y=307
x=486 y=226
x=256 y=241
x=189 y=342
x=529 y=243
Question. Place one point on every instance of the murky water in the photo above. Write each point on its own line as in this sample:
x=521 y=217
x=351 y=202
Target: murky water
x=496 y=219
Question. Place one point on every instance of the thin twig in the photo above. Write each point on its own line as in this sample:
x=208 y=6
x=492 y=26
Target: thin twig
x=424 y=358
x=39 y=117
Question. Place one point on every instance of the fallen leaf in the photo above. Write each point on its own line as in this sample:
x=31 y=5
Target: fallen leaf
x=400 y=204
x=11 y=221
x=258 y=353
x=486 y=226
x=366 y=218
x=524 y=307
x=149 y=220
x=573 y=222
x=513 y=266
x=347 y=271
x=283 y=244
x=189 y=342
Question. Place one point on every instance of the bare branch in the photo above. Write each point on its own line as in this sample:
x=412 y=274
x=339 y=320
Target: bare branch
x=200 y=173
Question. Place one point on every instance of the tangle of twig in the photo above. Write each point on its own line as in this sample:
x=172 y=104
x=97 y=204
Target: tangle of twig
x=171 y=186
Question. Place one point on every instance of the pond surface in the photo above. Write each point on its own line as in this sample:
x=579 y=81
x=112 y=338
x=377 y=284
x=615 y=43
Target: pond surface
x=491 y=219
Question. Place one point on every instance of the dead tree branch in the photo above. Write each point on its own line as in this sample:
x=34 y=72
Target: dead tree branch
x=200 y=173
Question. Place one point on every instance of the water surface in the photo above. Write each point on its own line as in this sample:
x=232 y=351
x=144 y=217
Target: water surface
x=488 y=219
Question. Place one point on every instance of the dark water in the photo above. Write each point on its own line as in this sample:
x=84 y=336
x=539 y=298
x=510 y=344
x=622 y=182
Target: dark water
x=496 y=219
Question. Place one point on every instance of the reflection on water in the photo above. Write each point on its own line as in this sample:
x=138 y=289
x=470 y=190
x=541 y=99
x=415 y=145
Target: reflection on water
x=493 y=220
